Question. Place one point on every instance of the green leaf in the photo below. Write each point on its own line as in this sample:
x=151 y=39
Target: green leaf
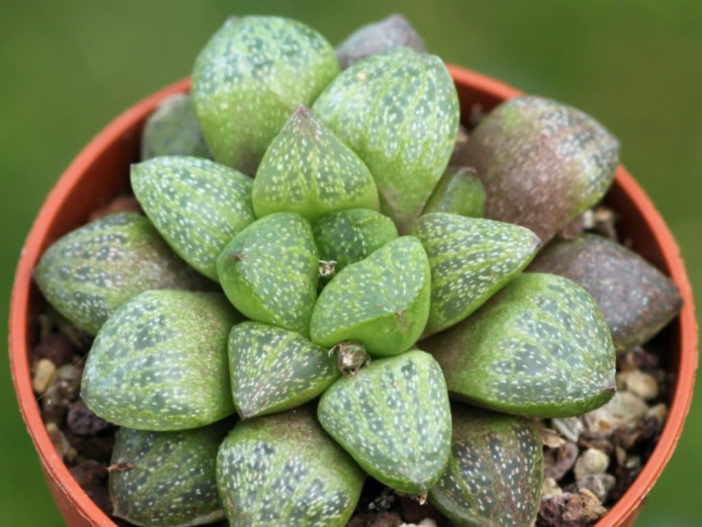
x=283 y=469
x=459 y=191
x=376 y=37
x=169 y=478
x=307 y=170
x=250 y=77
x=399 y=112
x=393 y=417
x=160 y=362
x=382 y=301
x=349 y=236
x=636 y=299
x=274 y=369
x=542 y=163
x=470 y=259
x=539 y=347
x=269 y=271
x=90 y=272
x=172 y=130
x=495 y=471
x=197 y=205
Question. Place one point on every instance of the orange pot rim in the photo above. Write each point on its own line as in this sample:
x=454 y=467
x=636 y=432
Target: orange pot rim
x=58 y=472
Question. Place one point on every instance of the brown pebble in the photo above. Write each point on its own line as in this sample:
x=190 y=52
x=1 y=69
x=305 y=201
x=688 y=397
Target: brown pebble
x=600 y=443
x=82 y=421
x=647 y=428
x=44 y=371
x=604 y=220
x=71 y=375
x=558 y=461
x=659 y=412
x=633 y=463
x=626 y=473
x=376 y=519
x=580 y=509
x=89 y=472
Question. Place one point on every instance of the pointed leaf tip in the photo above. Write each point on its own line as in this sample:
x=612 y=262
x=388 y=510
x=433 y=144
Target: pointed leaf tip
x=308 y=170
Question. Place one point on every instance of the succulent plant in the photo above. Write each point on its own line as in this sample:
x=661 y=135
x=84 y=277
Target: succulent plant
x=197 y=205
x=539 y=347
x=558 y=160
x=470 y=259
x=381 y=301
x=269 y=271
x=348 y=236
x=398 y=111
x=250 y=77
x=494 y=474
x=283 y=469
x=458 y=191
x=173 y=130
x=376 y=37
x=636 y=299
x=324 y=299
x=394 y=419
x=90 y=272
x=306 y=169
x=273 y=369
x=166 y=479
x=160 y=362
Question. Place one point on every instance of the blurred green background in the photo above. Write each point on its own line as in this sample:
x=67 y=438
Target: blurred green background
x=68 y=68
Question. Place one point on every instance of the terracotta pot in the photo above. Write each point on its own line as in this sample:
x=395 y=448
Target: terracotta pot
x=101 y=171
